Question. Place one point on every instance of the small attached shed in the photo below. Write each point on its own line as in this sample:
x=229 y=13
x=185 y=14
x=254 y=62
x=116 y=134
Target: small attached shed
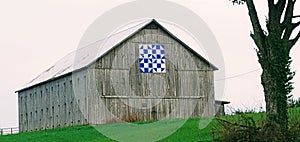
x=143 y=72
x=220 y=107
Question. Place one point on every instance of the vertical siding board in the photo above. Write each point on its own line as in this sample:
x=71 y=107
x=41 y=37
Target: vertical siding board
x=77 y=100
x=85 y=99
x=65 y=103
x=94 y=96
x=90 y=90
x=20 y=112
x=30 y=109
x=34 y=113
x=58 y=105
x=26 y=111
x=68 y=100
x=40 y=107
x=52 y=103
x=47 y=105
x=43 y=107
x=23 y=110
x=20 y=109
x=62 y=102
x=71 y=101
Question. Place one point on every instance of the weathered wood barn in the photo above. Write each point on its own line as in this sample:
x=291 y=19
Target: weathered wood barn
x=143 y=72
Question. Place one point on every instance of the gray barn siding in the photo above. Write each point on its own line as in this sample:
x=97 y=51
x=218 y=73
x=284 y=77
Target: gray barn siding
x=112 y=88
x=117 y=81
x=52 y=105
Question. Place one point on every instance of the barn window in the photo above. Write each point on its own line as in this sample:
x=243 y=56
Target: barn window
x=64 y=87
x=30 y=117
x=42 y=96
x=42 y=116
x=152 y=58
x=58 y=91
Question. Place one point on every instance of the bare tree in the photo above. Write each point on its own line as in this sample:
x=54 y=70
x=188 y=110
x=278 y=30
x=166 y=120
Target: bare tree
x=273 y=50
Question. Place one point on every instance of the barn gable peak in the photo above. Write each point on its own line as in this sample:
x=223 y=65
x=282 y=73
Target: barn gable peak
x=85 y=56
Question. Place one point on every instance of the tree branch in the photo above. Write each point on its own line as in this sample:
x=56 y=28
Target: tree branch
x=236 y=124
x=287 y=24
x=274 y=18
x=295 y=25
x=255 y=24
x=281 y=5
x=271 y=2
x=296 y=38
x=293 y=41
x=289 y=12
x=289 y=30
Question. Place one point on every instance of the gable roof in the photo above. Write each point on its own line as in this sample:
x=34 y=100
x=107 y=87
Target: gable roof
x=87 y=55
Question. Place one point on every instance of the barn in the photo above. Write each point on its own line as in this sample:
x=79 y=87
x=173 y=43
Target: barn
x=142 y=72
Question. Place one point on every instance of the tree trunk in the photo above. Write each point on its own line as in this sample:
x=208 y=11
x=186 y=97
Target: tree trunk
x=275 y=102
x=275 y=79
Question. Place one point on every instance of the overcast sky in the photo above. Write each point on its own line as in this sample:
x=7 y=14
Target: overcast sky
x=35 y=34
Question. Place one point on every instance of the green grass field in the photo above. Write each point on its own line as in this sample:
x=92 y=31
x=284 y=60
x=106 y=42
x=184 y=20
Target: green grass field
x=142 y=131
x=189 y=132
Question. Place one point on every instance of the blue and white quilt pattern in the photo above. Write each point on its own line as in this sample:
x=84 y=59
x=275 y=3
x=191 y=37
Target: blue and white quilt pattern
x=152 y=58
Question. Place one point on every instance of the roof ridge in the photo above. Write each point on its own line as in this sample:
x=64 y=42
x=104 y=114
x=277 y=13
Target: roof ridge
x=87 y=57
x=116 y=33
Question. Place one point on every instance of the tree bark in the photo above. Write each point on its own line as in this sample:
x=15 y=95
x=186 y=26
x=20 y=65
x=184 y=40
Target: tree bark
x=272 y=80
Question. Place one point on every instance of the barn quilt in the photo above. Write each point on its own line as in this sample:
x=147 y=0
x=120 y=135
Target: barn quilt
x=152 y=58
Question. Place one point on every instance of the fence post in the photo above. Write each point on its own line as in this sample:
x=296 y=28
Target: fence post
x=1 y=131
x=11 y=130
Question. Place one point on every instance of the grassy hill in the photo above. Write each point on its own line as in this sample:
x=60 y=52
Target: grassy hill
x=189 y=132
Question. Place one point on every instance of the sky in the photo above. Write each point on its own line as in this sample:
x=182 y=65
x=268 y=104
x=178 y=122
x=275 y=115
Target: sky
x=35 y=34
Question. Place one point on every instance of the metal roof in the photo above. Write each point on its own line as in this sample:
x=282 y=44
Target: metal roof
x=86 y=55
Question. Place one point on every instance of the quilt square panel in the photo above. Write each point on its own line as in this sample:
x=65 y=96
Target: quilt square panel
x=152 y=58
